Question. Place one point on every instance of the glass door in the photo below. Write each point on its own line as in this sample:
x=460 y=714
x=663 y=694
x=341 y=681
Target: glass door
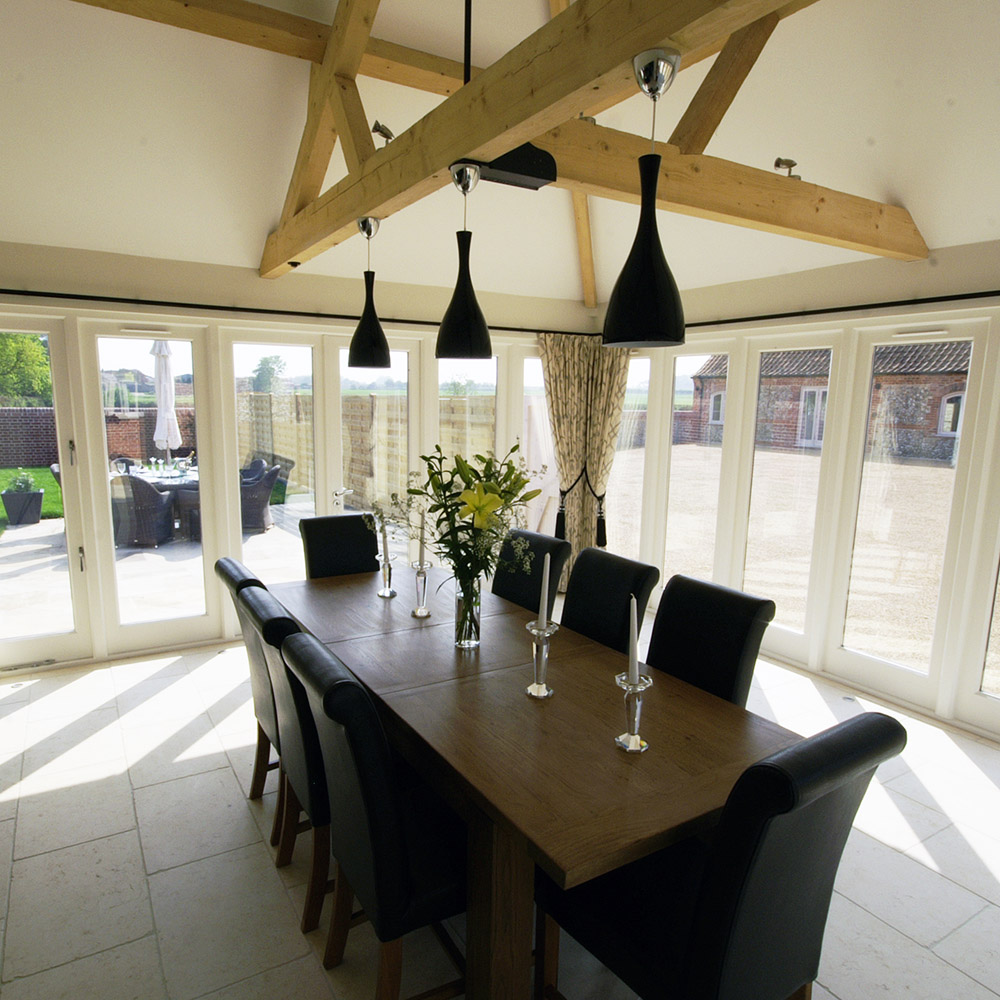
x=42 y=581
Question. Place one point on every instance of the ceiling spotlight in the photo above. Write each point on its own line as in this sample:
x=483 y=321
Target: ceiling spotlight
x=783 y=163
x=383 y=130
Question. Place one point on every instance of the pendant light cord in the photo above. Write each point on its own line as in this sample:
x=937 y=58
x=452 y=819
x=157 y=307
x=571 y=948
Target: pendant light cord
x=369 y=242
x=652 y=136
x=465 y=210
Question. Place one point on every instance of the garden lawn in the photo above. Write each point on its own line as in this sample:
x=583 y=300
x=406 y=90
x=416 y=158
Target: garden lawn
x=52 y=505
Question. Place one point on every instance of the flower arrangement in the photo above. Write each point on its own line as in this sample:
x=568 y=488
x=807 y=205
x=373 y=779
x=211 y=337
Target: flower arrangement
x=21 y=482
x=472 y=505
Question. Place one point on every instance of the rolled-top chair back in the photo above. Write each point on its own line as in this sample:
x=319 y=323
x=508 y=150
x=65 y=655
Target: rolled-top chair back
x=338 y=544
x=512 y=582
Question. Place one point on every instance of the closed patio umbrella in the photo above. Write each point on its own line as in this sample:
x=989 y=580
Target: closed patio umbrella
x=166 y=434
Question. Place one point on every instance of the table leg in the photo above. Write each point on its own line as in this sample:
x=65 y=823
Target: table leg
x=501 y=892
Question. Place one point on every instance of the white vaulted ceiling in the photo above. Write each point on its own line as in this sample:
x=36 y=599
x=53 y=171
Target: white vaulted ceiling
x=125 y=135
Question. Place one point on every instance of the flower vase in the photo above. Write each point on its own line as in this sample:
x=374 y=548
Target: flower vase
x=468 y=596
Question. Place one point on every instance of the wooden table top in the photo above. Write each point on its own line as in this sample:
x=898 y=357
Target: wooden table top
x=547 y=770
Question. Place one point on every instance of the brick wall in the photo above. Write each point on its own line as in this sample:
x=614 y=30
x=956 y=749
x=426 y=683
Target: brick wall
x=27 y=436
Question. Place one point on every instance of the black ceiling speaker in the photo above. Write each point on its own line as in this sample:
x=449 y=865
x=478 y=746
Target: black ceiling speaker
x=645 y=307
x=524 y=167
x=369 y=348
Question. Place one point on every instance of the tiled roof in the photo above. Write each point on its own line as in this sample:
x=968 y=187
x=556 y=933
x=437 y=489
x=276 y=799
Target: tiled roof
x=891 y=359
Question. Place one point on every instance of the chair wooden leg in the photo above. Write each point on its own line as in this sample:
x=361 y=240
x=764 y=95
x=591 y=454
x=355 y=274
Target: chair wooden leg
x=546 y=955
x=390 y=970
x=340 y=922
x=319 y=871
x=279 y=808
x=261 y=760
x=803 y=992
x=289 y=827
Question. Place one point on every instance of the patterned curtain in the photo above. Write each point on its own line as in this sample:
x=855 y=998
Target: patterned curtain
x=585 y=390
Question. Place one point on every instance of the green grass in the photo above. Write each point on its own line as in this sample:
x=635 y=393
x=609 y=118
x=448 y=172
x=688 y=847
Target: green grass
x=52 y=505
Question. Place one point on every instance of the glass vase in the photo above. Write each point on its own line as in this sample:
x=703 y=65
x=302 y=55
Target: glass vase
x=468 y=596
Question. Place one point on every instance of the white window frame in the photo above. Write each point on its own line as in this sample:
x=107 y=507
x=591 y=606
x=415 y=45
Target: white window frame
x=721 y=418
x=943 y=430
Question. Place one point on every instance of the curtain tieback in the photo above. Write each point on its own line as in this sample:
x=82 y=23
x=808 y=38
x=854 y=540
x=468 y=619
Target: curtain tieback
x=602 y=531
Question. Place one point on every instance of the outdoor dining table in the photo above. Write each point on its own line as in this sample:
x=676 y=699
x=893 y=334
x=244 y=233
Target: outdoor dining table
x=538 y=781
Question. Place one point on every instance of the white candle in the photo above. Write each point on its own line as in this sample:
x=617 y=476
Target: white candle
x=385 y=543
x=633 y=644
x=543 y=610
x=422 y=523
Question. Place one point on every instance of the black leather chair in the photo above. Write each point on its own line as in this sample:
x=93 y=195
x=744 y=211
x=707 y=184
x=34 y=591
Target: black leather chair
x=236 y=576
x=255 y=501
x=525 y=588
x=140 y=513
x=301 y=771
x=399 y=848
x=740 y=915
x=709 y=636
x=337 y=545
x=599 y=592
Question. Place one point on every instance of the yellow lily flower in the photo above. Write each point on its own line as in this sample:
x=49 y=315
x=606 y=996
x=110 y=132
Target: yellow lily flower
x=480 y=505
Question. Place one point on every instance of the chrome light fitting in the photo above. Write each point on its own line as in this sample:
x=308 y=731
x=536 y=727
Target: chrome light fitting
x=463 y=332
x=369 y=348
x=645 y=306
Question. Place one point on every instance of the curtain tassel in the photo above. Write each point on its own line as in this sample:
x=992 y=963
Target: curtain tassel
x=561 y=515
x=602 y=531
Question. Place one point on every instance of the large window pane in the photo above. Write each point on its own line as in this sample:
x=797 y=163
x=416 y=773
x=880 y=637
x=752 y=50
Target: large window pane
x=374 y=430
x=34 y=584
x=695 y=463
x=274 y=420
x=467 y=405
x=151 y=440
x=538 y=450
x=791 y=418
x=906 y=488
x=623 y=508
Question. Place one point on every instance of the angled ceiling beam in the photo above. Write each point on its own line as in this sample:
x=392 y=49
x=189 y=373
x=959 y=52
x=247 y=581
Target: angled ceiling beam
x=333 y=103
x=602 y=162
x=581 y=217
x=704 y=114
x=581 y=56
x=411 y=68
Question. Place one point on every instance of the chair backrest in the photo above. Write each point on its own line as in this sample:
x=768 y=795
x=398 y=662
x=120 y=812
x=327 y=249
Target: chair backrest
x=301 y=759
x=598 y=596
x=338 y=544
x=236 y=576
x=512 y=582
x=709 y=636
x=260 y=489
x=253 y=471
x=764 y=898
x=367 y=835
x=56 y=474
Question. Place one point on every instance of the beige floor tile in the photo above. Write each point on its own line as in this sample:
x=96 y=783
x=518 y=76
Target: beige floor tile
x=10 y=778
x=975 y=948
x=126 y=675
x=160 y=700
x=63 y=743
x=71 y=807
x=75 y=902
x=172 y=750
x=223 y=919
x=896 y=819
x=865 y=958
x=72 y=692
x=965 y=794
x=192 y=818
x=6 y=860
x=892 y=887
x=128 y=972
x=965 y=856
x=302 y=979
x=241 y=758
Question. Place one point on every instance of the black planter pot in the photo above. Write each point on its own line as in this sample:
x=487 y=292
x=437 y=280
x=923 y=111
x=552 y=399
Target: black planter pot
x=23 y=508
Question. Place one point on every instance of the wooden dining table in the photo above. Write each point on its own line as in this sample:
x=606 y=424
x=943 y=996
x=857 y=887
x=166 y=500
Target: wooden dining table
x=539 y=782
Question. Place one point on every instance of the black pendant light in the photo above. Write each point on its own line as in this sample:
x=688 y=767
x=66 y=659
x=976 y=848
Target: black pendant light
x=463 y=332
x=645 y=306
x=369 y=348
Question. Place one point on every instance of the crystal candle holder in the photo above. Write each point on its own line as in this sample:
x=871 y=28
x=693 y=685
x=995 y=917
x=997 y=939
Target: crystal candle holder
x=540 y=635
x=386 y=589
x=630 y=741
x=421 y=610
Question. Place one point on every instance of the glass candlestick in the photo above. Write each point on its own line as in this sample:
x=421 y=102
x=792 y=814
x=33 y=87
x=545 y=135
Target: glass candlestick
x=540 y=635
x=630 y=741
x=386 y=589
x=421 y=610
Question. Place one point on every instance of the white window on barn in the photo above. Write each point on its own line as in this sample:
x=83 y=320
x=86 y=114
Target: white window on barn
x=950 y=421
x=717 y=408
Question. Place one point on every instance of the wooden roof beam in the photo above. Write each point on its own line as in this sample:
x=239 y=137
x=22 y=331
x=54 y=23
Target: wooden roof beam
x=334 y=103
x=721 y=84
x=581 y=56
x=602 y=162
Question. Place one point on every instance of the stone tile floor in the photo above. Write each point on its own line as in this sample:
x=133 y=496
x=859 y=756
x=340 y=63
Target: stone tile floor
x=133 y=866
